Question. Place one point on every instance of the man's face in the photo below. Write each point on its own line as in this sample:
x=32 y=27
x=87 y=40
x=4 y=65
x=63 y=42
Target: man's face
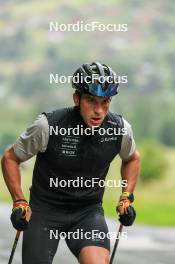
x=93 y=109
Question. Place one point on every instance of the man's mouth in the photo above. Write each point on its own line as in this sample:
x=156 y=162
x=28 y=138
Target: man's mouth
x=95 y=120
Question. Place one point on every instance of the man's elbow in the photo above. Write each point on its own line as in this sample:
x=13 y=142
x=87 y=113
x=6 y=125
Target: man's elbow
x=9 y=155
x=5 y=157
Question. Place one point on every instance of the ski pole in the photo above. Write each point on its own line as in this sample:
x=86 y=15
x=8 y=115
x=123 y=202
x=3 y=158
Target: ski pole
x=14 y=246
x=116 y=243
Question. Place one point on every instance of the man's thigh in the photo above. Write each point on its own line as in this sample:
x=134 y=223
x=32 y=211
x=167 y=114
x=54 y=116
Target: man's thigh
x=38 y=247
x=90 y=232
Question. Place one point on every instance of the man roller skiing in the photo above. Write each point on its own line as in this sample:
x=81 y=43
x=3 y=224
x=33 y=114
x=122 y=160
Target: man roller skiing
x=63 y=157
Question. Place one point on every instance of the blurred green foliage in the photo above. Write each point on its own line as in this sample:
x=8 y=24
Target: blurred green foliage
x=153 y=161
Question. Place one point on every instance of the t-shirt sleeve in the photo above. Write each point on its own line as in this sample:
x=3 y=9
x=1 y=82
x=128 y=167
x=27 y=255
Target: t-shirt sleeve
x=33 y=140
x=128 y=145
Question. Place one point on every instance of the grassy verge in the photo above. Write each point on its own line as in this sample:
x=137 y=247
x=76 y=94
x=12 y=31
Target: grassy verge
x=154 y=202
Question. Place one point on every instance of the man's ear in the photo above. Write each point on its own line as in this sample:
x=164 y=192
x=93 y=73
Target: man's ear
x=76 y=99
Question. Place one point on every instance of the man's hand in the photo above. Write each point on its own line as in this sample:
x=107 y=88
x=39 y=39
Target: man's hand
x=126 y=212
x=21 y=214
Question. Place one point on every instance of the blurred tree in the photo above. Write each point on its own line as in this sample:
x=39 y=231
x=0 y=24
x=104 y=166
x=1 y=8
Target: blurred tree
x=153 y=161
x=167 y=132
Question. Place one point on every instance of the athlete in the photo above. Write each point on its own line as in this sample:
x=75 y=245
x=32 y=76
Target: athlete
x=58 y=205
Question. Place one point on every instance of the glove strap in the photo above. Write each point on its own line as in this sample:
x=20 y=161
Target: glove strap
x=22 y=204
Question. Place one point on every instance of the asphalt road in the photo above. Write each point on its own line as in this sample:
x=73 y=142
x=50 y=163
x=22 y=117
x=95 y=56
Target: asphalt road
x=139 y=244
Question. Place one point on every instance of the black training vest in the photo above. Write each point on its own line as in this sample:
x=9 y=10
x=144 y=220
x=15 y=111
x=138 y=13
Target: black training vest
x=71 y=157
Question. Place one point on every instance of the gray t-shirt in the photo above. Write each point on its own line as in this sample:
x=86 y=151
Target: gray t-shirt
x=36 y=137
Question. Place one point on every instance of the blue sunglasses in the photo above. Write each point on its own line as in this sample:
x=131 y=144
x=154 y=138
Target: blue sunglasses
x=97 y=89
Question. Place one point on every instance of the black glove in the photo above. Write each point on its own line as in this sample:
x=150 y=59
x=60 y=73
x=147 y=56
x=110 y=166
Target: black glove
x=128 y=219
x=18 y=216
x=126 y=212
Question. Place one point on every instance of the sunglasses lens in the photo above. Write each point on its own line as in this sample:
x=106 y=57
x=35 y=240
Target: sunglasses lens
x=97 y=89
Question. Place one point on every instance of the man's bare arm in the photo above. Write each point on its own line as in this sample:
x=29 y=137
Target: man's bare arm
x=130 y=170
x=11 y=172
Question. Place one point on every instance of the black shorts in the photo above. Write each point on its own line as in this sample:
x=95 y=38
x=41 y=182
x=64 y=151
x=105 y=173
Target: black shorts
x=80 y=228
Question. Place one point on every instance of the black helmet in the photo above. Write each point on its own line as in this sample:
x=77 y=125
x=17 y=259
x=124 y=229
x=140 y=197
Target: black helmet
x=96 y=79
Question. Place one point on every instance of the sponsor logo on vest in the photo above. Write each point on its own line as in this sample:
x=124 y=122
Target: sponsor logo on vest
x=107 y=139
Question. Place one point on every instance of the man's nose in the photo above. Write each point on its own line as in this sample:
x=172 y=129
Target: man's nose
x=98 y=109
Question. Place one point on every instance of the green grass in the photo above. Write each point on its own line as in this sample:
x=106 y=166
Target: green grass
x=154 y=202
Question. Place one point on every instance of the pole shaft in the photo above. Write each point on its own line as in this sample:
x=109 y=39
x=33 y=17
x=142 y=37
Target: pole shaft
x=116 y=243
x=14 y=246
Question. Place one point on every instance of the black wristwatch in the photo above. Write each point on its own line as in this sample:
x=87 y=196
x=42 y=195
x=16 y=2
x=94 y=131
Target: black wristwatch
x=129 y=195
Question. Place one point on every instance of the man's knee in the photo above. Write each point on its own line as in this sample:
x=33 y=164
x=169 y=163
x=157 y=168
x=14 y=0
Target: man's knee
x=94 y=255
